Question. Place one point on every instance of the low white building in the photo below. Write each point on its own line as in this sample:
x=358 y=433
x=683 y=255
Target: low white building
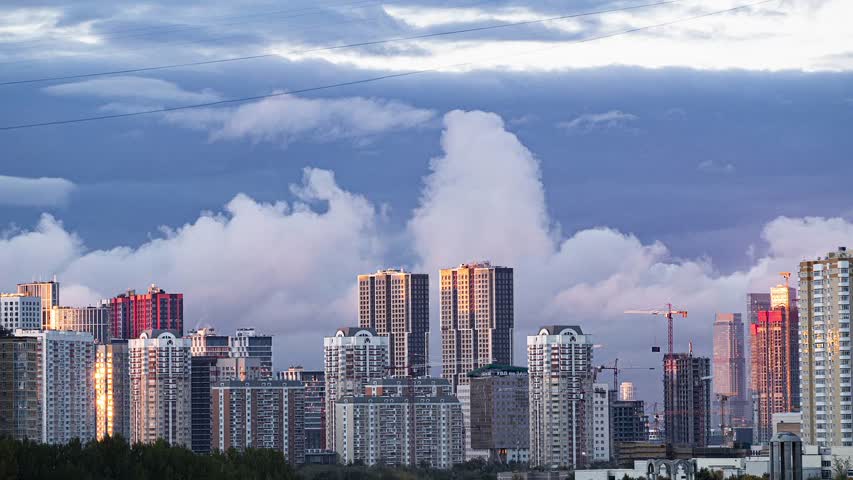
x=18 y=310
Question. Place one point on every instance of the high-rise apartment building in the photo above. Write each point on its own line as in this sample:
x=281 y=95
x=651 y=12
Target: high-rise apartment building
x=206 y=343
x=687 y=399
x=400 y=422
x=498 y=418
x=315 y=405
x=19 y=388
x=160 y=388
x=730 y=370
x=66 y=385
x=560 y=374
x=20 y=310
x=47 y=291
x=352 y=358
x=112 y=389
x=626 y=391
x=477 y=319
x=598 y=422
x=94 y=320
x=395 y=304
x=774 y=360
x=247 y=343
x=134 y=313
x=825 y=351
x=264 y=414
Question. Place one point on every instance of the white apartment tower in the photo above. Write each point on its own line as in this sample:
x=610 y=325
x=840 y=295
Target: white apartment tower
x=825 y=380
x=19 y=310
x=395 y=304
x=477 y=319
x=352 y=357
x=160 y=388
x=561 y=373
x=66 y=366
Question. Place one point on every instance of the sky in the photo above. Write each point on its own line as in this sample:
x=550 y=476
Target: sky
x=688 y=162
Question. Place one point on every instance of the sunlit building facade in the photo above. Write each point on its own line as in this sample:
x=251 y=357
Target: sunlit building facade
x=95 y=320
x=47 y=291
x=395 y=304
x=477 y=319
x=112 y=389
x=729 y=364
x=134 y=313
x=825 y=351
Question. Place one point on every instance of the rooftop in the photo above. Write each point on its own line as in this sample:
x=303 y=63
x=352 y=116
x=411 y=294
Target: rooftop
x=496 y=368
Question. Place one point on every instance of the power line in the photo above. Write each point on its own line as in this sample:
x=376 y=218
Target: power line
x=373 y=79
x=144 y=31
x=337 y=47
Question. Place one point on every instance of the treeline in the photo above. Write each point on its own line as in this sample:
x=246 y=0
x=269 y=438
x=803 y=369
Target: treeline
x=472 y=470
x=113 y=458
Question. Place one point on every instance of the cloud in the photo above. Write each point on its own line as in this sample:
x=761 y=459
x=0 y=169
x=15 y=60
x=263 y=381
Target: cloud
x=711 y=166
x=285 y=267
x=133 y=88
x=35 y=192
x=284 y=119
x=290 y=268
x=594 y=121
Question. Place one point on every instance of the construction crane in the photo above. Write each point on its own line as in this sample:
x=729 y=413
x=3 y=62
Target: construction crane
x=668 y=313
x=616 y=369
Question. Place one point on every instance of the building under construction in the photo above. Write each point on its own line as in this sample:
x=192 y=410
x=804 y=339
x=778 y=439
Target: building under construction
x=687 y=399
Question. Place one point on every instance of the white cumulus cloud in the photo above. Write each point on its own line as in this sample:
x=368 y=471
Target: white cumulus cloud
x=138 y=89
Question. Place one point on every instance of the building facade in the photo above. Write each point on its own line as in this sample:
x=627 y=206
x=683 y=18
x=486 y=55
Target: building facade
x=160 y=388
x=395 y=304
x=95 y=320
x=247 y=343
x=687 y=399
x=112 y=389
x=729 y=366
x=626 y=391
x=47 y=291
x=412 y=429
x=352 y=358
x=19 y=388
x=134 y=313
x=477 y=319
x=598 y=422
x=206 y=343
x=628 y=422
x=825 y=351
x=498 y=420
x=20 y=310
x=315 y=405
x=774 y=360
x=560 y=373
x=66 y=367
x=264 y=414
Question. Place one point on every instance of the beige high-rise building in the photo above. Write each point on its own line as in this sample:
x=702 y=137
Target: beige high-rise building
x=825 y=352
x=729 y=367
x=626 y=391
x=559 y=360
x=94 y=320
x=160 y=365
x=352 y=358
x=49 y=293
x=112 y=389
x=395 y=304
x=477 y=319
